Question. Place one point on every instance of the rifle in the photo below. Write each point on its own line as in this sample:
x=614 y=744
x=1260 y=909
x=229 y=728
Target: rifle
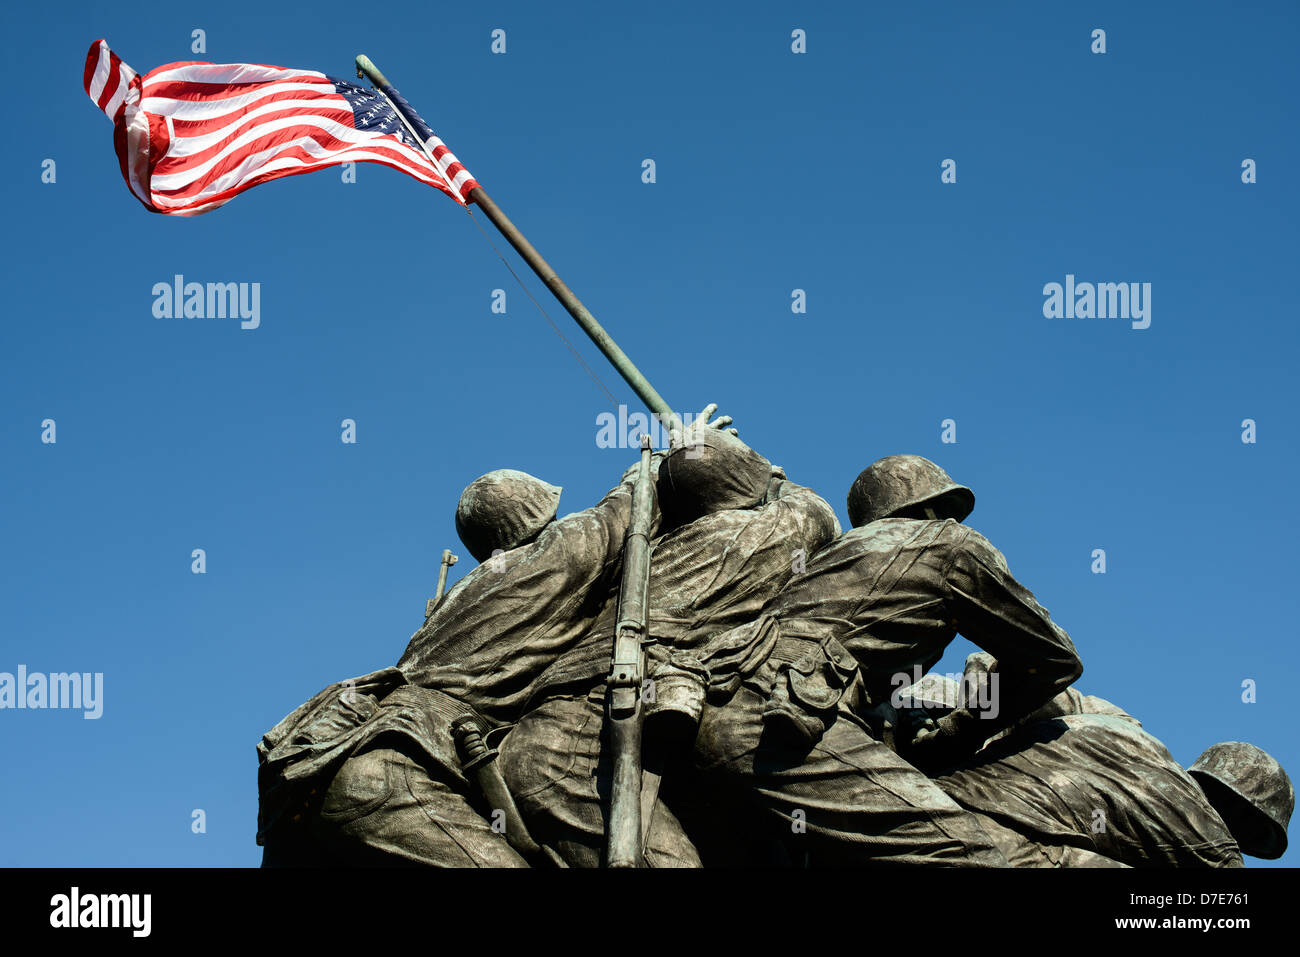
x=448 y=559
x=626 y=713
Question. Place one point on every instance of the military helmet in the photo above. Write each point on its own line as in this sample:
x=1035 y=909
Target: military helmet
x=899 y=483
x=503 y=510
x=716 y=471
x=1261 y=797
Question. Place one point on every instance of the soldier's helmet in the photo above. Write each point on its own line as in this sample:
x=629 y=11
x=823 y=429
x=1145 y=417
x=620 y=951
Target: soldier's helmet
x=716 y=471
x=1252 y=793
x=504 y=509
x=900 y=486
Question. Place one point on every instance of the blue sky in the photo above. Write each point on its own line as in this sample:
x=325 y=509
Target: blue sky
x=775 y=171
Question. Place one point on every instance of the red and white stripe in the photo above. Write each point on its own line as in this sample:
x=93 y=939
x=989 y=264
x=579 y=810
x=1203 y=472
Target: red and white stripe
x=108 y=80
x=194 y=135
x=450 y=168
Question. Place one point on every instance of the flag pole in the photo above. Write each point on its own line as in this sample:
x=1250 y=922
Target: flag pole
x=572 y=304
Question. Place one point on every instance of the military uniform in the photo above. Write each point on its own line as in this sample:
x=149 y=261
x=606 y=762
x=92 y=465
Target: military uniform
x=802 y=724
x=1084 y=777
x=888 y=598
x=742 y=529
x=367 y=772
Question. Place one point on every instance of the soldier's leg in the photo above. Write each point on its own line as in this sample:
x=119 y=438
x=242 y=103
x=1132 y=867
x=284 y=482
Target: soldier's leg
x=558 y=771
x=1021 y=851
x=849 y=800
x=383 y=808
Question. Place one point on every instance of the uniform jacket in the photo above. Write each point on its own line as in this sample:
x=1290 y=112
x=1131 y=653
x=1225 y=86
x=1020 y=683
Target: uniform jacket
x=1088 y=776
x=887 y=598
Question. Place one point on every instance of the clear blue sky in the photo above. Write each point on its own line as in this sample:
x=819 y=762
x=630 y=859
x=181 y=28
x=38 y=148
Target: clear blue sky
x=775 y=171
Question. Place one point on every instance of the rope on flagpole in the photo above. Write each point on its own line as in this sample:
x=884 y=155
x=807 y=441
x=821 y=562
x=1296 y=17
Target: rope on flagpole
x=582 y=362
x=438 y=168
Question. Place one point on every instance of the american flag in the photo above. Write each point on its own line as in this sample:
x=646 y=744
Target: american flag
x=190 y=136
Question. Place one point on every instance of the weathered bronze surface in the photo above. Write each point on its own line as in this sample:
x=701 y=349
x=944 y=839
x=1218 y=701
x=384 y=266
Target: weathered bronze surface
x=781 y=721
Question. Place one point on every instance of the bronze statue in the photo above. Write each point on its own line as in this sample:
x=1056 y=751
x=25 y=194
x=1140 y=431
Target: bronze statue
x=1079 y=783
x=733 y=531
x=398 y=790
x=777 y=730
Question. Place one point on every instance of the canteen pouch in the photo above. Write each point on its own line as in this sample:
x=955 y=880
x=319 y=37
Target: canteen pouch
x=674 y=698
x=812 y=677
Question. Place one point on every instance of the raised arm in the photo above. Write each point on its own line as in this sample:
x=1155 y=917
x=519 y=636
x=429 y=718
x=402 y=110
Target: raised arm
x=710 y=469
x=1036 y=660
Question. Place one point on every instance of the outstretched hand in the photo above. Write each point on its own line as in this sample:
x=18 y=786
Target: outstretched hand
x=940 y=745
x=679 y=436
